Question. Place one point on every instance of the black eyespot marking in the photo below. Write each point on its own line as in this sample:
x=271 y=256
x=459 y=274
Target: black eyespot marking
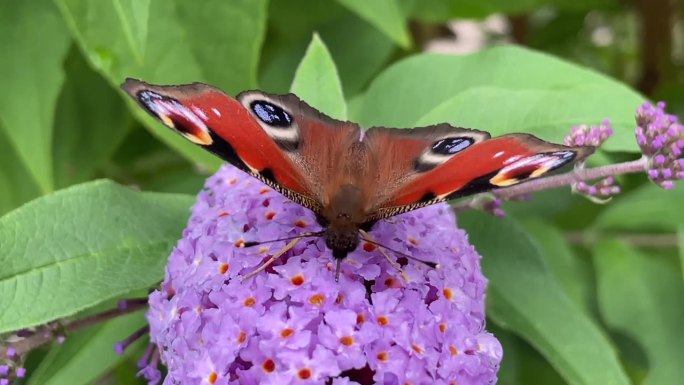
x=271 y=114
x=450 y=146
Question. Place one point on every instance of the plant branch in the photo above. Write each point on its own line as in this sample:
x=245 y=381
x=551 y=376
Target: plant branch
x=47 y=333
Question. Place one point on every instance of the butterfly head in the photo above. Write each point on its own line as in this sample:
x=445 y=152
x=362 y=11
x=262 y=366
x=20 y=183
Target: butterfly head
x=344 y=215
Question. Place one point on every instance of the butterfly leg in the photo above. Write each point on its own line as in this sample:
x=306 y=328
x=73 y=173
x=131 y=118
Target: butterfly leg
x=272 y=259
x=394 y=264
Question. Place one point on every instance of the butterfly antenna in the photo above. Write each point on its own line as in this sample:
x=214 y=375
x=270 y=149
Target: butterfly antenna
x=272 y=259
x=392 y=262
x=432 y=265
x=304 y=235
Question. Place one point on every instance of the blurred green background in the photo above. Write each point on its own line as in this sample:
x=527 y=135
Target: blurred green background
x=579 y=293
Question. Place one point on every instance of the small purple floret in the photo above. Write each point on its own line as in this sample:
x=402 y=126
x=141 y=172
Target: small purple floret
x=4 y=370
x=20 y=372
x=293 y=322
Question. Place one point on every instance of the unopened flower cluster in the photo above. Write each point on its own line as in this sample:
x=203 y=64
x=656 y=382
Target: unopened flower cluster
x=293 y=323
x=661 y=139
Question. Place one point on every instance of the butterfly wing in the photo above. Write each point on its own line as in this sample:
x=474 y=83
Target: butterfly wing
x=276 y=138
x=438 y=163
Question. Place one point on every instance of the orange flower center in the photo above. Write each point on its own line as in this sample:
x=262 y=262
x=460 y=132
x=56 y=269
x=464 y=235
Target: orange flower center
x=317 y=299
x=448 y=294
x=382 y=356
x=213 y=376
x=346 y=340
x=297 y=280
x=223 y=268
x=249 y=301
x=268 y=366
x=304 y=374
x=383 y=320
x=287 y=332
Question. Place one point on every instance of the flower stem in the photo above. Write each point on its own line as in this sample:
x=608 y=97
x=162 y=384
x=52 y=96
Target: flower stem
x=47 y=333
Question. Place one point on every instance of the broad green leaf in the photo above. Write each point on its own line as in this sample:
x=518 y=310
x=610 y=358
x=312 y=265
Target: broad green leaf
x=547 y=113
x=317 y=82
x=33 y=42
x=641 y=296
x=385 y=15
x=80 y=246
x=358 y=49
x=648 y=207
x=409 y=90
x=525 y=297
x=522 y=364
x=567 y=268
x=16 y=186
x=86 y=355
x=91 y=122
x=217 y=43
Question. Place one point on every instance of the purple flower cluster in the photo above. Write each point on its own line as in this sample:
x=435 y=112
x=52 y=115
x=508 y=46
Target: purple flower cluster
x=294 y=323
x=585 y=135
x=661 y=139
x=10 y=369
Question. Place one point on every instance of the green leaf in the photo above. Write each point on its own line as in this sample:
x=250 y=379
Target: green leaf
x=33 y=42
x=91 y=122
x=86 y=355
x=496 y=87
x=544 y=113
x=567 y=268
x=524 y=296
x=648 y=207
x=640 y=296
x=317 y=82
x=680 y=246
x=358 y=49
x=80 y=246
x=385 y=15
x=15 y=185
x=217 y=43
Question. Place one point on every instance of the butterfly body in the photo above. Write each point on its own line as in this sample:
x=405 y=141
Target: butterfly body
x=349 y=177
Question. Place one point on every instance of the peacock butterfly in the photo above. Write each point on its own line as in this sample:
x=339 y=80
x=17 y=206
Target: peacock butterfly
x=350 y=178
